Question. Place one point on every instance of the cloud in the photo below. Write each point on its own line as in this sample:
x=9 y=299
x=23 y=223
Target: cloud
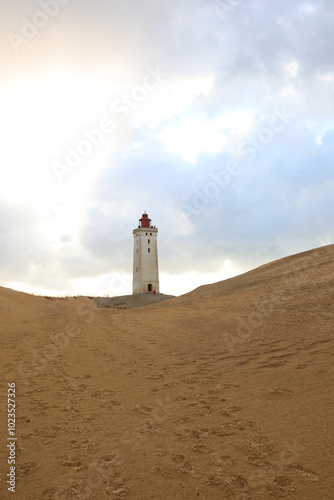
x=179 y=154
x=21 y=244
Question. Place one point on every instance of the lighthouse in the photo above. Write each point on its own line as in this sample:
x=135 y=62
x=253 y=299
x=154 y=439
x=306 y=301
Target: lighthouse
x=145 y=257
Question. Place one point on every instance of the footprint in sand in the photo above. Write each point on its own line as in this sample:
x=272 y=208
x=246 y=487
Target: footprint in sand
x=224 y=461
x=201 y=408
x=228 y=486
x=279 y=392
x=234 y=409
x=28 y=467
x=142 y=410
x=183 y=464
x=201 y=448
x=274 y=364
x=283 y=482
x=67 y=461
x=258 y=448
x=305 y=473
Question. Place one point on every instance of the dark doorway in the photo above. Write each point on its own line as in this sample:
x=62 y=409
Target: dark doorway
x=149 y=288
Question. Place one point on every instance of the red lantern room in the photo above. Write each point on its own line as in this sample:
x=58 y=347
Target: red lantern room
x=145 y=221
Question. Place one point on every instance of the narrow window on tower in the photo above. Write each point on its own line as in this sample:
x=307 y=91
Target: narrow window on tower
x=149 y=250
x=148 y=241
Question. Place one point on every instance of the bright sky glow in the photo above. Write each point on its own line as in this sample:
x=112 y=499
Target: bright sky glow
x=147 y=108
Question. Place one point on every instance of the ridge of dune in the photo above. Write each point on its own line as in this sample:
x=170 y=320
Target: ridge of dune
x=313 y=264
x=310 y=260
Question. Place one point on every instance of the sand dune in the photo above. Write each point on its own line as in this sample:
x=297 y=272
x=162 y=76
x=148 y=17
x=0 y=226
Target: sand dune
x=225 y=392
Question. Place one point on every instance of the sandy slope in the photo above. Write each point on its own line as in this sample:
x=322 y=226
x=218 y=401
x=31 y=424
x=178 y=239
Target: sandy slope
x=226 y=392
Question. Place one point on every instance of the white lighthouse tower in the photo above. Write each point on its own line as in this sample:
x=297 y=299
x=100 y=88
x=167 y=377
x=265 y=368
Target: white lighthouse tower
x=145 y=257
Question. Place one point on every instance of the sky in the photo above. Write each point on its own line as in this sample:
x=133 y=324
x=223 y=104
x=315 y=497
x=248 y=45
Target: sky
x=215 y=117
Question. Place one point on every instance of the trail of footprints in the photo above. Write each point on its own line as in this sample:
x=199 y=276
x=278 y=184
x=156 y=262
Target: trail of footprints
x=209 y=426
x=255 y=467
x=203 y=432
x=273 y=354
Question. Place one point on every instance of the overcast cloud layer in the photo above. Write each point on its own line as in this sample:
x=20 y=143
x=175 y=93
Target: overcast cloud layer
x=214 y=117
